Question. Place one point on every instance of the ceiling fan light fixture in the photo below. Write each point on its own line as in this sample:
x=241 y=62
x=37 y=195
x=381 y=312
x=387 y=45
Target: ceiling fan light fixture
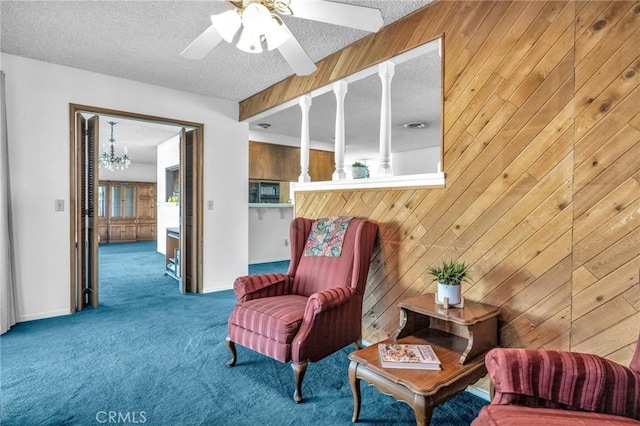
x=256 y=18
x=261 y=27
x=249 y=42
x=227 y=24
x=256 y=23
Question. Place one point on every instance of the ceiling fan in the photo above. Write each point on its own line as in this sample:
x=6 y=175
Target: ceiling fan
x=257 y=24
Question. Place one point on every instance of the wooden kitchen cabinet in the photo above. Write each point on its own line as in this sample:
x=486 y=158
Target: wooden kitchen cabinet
x=272 y=162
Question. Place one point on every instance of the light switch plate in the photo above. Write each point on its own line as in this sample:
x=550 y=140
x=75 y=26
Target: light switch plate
x=59 y=205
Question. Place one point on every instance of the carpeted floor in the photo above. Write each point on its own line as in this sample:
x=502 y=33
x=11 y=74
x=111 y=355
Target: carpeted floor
x=150 y=355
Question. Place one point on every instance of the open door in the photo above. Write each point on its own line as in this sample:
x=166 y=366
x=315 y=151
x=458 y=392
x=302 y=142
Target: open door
x=86 y=231
x=188 y=189
x=84 y=197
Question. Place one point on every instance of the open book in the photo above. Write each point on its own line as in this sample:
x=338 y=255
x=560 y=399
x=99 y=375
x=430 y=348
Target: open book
x=421 y=357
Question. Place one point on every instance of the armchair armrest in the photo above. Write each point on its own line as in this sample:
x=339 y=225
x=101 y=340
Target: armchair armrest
x=256 y=286
x=332 y=319
x=564 y=380
x=326 y=300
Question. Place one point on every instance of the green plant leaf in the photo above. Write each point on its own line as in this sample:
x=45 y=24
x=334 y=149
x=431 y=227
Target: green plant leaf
x=449 y=272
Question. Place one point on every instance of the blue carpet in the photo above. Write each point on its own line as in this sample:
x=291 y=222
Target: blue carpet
x=150 y=355
x=269 y=268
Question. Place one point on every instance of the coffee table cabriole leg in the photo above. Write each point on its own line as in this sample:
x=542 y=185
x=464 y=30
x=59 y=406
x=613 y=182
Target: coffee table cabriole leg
x=422 y=409
x=355 y=389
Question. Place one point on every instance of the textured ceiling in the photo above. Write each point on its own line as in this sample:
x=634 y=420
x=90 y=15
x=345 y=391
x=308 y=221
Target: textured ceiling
x=142 y=41
x=139 y=137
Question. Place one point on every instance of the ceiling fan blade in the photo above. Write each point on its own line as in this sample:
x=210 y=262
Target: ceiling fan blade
x=346 y=15
x=295 y=55
x=202 y=45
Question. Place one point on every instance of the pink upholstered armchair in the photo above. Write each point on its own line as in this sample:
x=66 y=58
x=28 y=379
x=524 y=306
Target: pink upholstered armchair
x=315 y=308
x=554 y=387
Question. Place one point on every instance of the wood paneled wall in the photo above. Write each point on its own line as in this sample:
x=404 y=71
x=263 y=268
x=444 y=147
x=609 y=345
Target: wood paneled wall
x=541 y=152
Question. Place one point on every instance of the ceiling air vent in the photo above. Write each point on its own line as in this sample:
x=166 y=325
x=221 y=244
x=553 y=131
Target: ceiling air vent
x=415 y=125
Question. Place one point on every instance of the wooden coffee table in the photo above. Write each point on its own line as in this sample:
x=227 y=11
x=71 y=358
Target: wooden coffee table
x=460 y=338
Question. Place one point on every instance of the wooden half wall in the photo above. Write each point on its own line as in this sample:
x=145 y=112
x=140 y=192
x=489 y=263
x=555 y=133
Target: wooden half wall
x=542 y=157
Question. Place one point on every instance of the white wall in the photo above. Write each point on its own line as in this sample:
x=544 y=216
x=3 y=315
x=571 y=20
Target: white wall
x=168 y=217
x=269 y=234
x=38 y=97
x=168 y=155
x=168 y=214
x=416 y=162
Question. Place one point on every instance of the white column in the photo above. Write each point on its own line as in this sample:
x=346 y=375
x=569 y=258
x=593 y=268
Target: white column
x=386 y=71
x=340 y=89
x=305 y=104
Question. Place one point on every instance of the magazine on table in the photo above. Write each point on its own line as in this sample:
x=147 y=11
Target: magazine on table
x=420 y=357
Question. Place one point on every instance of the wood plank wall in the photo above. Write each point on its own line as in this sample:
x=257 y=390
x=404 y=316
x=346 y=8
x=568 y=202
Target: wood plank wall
x=542 y=153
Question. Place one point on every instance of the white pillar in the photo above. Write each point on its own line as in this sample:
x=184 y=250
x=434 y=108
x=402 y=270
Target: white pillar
x=305 y=104
x=386 y=71
x=340 y=89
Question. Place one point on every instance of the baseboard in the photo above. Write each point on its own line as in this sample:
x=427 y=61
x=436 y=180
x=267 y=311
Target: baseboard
x=479 y=392
x=217 y=288
x=43 y=315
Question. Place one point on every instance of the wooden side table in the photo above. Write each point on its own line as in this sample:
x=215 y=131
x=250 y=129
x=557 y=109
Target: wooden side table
x=460 y=338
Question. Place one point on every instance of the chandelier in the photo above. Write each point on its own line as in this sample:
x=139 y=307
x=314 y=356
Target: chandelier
x=108 y=159
x=260 y=26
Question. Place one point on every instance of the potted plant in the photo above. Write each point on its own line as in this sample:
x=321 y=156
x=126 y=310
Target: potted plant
x=360 y=170
x=449 y=275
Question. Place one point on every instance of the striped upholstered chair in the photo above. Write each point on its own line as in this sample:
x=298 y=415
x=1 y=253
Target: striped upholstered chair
x=315 y=308
x=560 y=388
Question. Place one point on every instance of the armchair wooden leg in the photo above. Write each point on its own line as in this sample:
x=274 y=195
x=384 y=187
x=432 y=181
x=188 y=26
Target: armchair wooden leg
x=234 y=356
x=298 y=374
x=354 y=381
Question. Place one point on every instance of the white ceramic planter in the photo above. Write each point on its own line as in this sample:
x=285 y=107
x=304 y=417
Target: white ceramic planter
x=451 y=291
x=359 y=172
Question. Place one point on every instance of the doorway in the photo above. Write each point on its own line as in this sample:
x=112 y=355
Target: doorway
x=84 y=201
